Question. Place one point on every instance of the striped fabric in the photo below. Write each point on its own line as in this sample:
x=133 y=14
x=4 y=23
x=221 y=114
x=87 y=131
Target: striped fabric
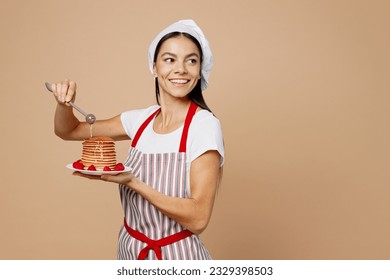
x=166 y=173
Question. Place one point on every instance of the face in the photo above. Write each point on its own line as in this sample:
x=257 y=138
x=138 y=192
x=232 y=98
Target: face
x=177 y=67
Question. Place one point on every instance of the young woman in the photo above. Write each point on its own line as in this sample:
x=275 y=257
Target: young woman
x=176 y=153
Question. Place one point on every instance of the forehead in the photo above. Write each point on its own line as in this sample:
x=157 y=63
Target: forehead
x=179 y=45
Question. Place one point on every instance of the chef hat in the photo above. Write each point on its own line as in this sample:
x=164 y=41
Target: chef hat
x=190 y=27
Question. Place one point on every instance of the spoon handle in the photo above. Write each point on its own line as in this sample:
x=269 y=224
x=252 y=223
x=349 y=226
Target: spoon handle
x=48 y=86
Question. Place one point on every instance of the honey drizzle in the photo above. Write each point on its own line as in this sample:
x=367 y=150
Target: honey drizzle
x=90 y=130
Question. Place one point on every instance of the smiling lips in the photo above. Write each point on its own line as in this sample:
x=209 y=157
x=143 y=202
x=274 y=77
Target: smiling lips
x=179 y=81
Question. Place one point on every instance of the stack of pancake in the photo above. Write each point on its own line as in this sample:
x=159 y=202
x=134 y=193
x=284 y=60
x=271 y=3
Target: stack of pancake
x=99 y=151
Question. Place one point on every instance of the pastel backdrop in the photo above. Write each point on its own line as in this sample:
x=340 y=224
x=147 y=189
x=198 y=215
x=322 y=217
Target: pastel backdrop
x=302 y=91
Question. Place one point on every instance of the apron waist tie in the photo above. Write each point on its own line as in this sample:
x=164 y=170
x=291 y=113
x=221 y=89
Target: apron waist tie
x=155 y=245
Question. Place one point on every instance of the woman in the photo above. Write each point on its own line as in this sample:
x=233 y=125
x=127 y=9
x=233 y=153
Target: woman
x=176 y=153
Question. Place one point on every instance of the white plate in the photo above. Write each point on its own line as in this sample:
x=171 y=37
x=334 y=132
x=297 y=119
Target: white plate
x=97 y=173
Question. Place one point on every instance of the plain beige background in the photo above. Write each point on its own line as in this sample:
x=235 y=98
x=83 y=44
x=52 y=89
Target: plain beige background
x=302 y=91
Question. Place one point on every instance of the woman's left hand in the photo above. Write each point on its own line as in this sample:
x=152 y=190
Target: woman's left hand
x=122 y=178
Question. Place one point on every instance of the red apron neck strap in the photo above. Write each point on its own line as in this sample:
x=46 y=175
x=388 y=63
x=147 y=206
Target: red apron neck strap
x=190 y=114
x=183 y=142
x=142 y=128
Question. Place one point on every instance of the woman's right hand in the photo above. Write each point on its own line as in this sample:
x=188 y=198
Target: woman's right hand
x=68 y=127
x=64 y=91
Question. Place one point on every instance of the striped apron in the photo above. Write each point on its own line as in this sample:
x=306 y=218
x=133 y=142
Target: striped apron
x=147 y=233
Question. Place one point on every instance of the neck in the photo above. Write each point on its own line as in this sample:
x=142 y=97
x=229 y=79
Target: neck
x=172 y=115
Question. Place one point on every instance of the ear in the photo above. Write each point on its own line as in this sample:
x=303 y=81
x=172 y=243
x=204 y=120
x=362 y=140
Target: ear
x=154 y=70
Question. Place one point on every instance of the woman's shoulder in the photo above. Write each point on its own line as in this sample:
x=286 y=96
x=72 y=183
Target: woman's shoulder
x=206 y=119
x=205 y=125
x=132 y=119
x=205 y=134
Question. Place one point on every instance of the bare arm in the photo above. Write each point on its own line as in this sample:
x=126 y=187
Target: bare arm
x=68 y=127
x=192 y=213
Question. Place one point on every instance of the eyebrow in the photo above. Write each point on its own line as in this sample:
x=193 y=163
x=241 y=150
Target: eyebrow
x=174 y=55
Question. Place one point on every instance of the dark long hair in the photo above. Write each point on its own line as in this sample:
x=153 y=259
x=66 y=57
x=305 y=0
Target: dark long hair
x=196 y=94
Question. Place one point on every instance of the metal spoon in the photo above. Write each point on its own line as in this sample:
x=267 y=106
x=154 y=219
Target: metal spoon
x=89 y=118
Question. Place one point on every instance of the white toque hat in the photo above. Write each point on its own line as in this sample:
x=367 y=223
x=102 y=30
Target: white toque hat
x=190 y=27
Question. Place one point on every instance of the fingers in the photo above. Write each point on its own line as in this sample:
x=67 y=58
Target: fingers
x=105 y=177
x=64 y=91
x=71 y=91
x=122 y=178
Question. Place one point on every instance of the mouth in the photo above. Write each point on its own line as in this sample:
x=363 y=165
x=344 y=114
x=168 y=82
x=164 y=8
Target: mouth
x=179 y=81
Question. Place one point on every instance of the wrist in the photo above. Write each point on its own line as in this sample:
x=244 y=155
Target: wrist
x=64 y=107
x=134 y=183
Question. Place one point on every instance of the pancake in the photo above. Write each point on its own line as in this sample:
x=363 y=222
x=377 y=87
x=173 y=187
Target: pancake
x=99 y=151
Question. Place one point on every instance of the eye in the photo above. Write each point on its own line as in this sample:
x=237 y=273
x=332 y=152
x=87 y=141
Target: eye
x=169 y=60
x=192 y=61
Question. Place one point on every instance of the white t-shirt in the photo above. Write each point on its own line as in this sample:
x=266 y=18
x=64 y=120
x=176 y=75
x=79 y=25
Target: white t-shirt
x=204 y=134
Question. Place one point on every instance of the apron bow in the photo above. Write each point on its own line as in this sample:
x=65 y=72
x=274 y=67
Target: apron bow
x=152 y=245
x=155 y=245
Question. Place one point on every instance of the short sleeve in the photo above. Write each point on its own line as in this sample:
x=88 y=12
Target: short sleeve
x=205 y=134
x=131 y=120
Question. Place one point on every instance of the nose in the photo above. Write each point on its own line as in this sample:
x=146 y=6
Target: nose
x=180 y=67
